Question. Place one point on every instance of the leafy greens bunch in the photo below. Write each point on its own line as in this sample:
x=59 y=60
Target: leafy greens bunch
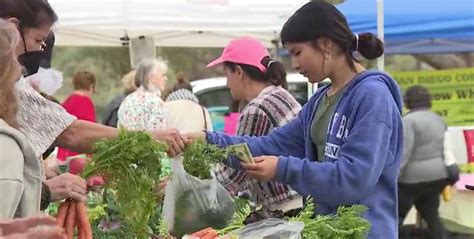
x=347 y=223
x=199 y=158
x=131 y=165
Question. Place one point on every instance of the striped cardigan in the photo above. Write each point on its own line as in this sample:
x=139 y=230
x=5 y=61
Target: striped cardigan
x=272 y=108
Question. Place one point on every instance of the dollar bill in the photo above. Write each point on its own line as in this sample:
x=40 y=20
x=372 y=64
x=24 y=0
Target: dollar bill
x=242 y=152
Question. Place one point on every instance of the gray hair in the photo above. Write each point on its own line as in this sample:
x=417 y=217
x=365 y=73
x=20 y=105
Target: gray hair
x=148 y=67
x=9 y=37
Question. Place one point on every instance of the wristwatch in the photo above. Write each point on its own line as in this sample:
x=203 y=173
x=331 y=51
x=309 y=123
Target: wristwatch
x=45 y=197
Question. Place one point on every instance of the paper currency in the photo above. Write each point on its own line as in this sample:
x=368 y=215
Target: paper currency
x=242 y=152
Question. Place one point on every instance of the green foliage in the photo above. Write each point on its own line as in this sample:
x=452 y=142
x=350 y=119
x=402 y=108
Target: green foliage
x=96 y=208
x=131 y=165
x=467 y=168
x=162 y=228
x=52 y=208
x=347 y=223
x=199 y=158
x=242 y=210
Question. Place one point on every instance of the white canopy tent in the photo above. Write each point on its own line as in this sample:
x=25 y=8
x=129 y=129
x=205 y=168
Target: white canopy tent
x=179 y=23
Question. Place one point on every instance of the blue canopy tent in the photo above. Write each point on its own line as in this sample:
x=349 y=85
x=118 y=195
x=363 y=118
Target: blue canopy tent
x=416 y=27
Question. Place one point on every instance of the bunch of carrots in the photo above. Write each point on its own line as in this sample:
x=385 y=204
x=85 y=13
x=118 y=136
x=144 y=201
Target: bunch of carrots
x=72 y=215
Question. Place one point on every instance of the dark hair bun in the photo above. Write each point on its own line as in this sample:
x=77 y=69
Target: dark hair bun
x=182 y=82
x=276 y=72
x=368 y=45
x=181 y=79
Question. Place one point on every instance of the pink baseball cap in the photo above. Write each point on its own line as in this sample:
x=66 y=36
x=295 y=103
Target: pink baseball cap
x=244 y=50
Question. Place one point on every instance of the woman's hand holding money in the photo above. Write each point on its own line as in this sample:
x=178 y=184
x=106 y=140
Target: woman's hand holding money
x=264 y=168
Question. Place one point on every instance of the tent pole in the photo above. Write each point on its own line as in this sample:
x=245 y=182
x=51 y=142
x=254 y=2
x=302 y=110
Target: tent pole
x=380 y=32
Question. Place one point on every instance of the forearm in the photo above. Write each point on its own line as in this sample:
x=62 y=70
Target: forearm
x=81 y=135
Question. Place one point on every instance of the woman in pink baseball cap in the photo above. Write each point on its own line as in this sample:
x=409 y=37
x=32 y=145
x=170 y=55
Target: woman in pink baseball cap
x=254 y=77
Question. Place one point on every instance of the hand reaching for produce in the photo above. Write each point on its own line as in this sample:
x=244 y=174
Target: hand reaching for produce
x=27 y=228
x=176 y=142
x=76 y=166
x=193 y=136
x=264 y=168
x=50 y=171
x=67 y=186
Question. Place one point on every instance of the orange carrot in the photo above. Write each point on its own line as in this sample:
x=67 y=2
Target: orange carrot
x=80 y=230
x=62 y=213
x=212 y=233
x=84 y=220
x=70 y=220
x=201 y=232
x=80 y=233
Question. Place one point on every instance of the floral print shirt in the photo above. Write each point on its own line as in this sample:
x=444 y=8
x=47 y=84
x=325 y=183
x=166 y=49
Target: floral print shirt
x=142 y=110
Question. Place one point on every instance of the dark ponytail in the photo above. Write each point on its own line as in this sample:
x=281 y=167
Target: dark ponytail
x=275 y=73
x=368 y=45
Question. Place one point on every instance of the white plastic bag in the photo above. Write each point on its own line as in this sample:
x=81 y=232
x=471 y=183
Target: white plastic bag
x=192 y=204
x=48 y=81
x=271 y=228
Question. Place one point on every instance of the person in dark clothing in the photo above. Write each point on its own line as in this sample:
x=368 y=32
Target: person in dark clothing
x=423 y=173
x=110 y=115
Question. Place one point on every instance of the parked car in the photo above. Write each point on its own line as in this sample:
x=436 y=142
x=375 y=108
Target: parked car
x=215 y=96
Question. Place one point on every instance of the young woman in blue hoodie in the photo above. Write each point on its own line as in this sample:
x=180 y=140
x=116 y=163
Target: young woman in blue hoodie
x=345 y=145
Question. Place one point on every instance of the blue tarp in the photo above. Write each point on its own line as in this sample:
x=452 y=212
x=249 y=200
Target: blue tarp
x=416 y=26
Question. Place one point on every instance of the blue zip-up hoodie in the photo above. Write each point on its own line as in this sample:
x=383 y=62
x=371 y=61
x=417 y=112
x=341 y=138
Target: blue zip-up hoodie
x=363 y=152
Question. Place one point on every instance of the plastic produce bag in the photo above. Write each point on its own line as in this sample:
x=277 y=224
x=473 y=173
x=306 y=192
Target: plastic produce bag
x=271 y=228
x=192 y=204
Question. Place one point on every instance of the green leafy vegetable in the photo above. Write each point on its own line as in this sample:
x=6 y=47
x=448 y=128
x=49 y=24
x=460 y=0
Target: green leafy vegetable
x=131 y=165
x=467 y=168
x=200 y=157
x=347 y=223
x=242 y=210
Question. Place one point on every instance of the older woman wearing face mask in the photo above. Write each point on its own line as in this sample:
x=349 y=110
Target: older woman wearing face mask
x=44 y=122
x=144 y=108
x=21 y=174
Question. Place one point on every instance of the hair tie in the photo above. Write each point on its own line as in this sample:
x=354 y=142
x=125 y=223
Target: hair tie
x=269 y=63
x=357 y=42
